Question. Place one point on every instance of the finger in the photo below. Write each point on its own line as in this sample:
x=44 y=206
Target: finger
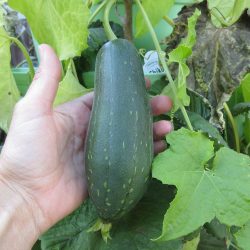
x=162 y=128
x=46 y=81
x=159 y=146
x=161 y=104
x=87 y=100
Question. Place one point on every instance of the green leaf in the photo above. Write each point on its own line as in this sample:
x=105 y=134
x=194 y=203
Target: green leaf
x=132 y=232
x=199 y=123
x=190 y=40
x=209 y=242
x=180 y=56
x=241 y=108
x=9 y=94
x=227 y=12
x=217 y=229
x=247 y=128
x=156 y=10
x=203 y=182
x=182 y=95
x=245 y=87
x=59 y=23
x=242 y=237
x=69 y=89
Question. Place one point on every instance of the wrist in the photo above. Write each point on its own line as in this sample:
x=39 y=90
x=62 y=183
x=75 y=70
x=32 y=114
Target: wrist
x=19 y=218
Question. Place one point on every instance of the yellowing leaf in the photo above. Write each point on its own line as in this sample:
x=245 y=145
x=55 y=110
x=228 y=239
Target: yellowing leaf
x=59 y=23
x=156 y=10
x=9 y=94
x=207 y=187
x=69 y=89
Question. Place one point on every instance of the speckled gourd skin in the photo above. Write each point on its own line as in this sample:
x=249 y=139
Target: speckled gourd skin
x=119 y=147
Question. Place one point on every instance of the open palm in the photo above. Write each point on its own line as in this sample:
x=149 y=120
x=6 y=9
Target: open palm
x=43 y=156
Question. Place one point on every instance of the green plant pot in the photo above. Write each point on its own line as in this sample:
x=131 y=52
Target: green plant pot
x=22 y=78
x=89 y=78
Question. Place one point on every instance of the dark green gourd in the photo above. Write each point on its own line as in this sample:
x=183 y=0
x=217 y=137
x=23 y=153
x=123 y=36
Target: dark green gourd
x=119 y=148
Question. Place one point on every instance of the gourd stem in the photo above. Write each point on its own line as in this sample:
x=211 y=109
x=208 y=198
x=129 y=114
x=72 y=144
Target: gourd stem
x=110 y=34
x=169 y=21
x=25 y=53
x=161 y=55
x=234 y=127
x=97 y=11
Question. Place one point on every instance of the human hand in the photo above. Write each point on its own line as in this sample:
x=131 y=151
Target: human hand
x=43 y=157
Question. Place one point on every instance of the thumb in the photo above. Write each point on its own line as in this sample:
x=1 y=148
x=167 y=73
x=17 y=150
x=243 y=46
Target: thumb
x=46 y=80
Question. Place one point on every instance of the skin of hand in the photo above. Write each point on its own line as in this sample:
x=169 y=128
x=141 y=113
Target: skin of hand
x=42 y=161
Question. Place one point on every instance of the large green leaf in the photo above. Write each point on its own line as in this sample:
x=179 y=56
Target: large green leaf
x=203 y=182
x=242 y=237
x=59 y=23
x=69 y=89
x=132 y=232
x=156 y=10
x=227 y=12
x=9 y=94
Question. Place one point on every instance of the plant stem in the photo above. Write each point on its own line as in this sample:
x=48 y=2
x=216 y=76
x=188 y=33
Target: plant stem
x=107 y=28
x=214 y=12
x=247 y=148
x=25 y=53
x=234 y=127
x=161 y=55
x=169 y=21
x=128 y=27
x=97 y=11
